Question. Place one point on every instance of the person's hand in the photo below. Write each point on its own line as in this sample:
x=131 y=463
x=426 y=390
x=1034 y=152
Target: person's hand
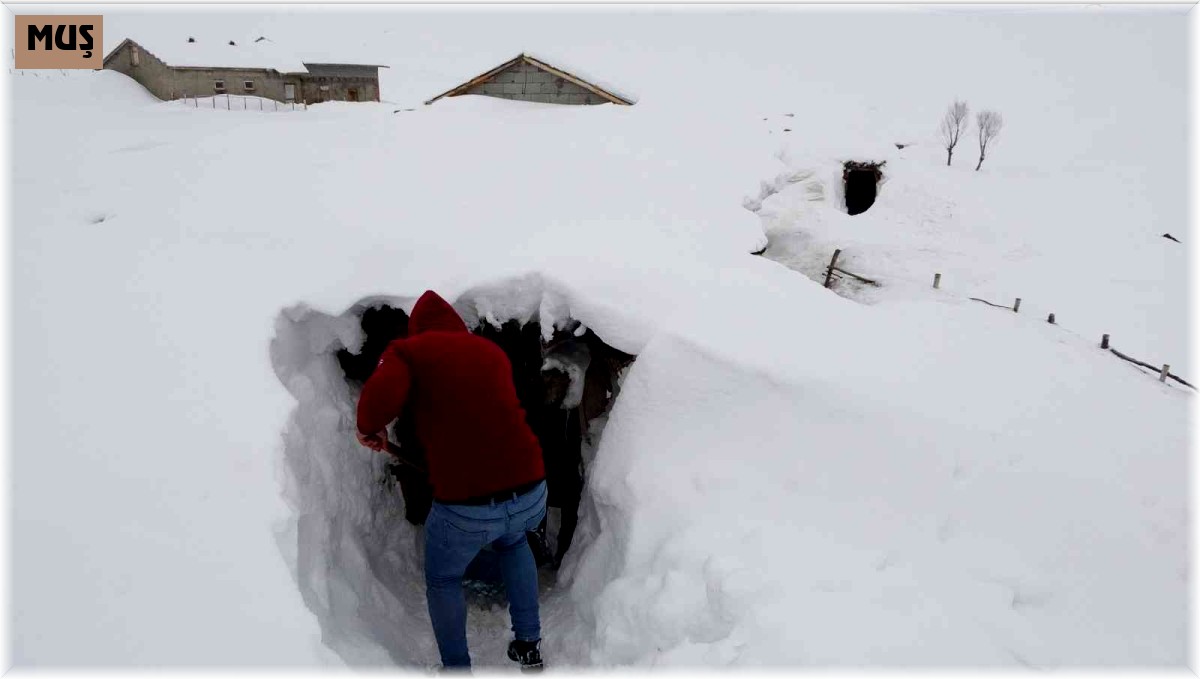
x=377 y=441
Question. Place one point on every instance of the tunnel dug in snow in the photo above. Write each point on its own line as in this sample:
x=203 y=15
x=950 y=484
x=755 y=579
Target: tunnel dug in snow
x=565 y=384
x=355 y=541
x=861 y=185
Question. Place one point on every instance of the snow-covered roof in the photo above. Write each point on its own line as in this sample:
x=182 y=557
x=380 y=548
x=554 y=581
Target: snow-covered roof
x=211 y=51
x=556 y=66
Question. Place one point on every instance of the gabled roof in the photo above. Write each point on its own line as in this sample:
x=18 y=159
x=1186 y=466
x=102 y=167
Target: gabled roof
x=537 y=63
x=208 y=52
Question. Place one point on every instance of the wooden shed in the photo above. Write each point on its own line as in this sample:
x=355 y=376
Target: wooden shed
x=527 y=78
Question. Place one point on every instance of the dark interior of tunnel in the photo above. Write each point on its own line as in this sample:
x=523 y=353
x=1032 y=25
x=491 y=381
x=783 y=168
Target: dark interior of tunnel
x=862 y=182
x=380 y=325
x=544 y=386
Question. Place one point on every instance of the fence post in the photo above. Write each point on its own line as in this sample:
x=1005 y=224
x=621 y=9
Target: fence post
x=1166 y=370
x=1051 y=319
x=1104 y=342
x=228 y=103
x=937 y=281
x=832 y=263
x=276 y=104
x=1017 y=305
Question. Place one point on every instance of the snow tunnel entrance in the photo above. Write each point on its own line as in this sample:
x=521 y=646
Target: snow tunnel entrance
x=565 y=384
x=355 y=541
x=862 y=182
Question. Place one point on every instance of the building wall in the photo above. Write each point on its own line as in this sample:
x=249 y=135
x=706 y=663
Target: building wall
x=201 y=82
x=167 y=82
x=333 y=82
x=525 y=82
x=151 y=72
x=337 y=88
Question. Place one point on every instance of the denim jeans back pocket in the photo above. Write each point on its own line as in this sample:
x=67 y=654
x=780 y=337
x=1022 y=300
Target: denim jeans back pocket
x=532 y=515
x=465 y=536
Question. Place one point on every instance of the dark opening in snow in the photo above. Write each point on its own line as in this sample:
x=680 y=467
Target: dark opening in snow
x=357 y=561
x=564 y=385
x=862 y=181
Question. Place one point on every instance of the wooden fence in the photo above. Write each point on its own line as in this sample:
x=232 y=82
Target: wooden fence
x=1164 y=373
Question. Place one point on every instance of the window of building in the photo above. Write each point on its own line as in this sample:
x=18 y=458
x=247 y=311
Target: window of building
x=248 y=85
x=134 y=55
x=351 y=94
x=219 y=86
x=289 y=92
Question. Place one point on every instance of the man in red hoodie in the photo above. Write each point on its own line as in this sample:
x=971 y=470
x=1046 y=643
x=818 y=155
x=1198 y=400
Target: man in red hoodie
x=485 y=466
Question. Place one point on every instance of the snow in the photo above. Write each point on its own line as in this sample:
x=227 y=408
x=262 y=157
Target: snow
x=789 y=476
x=954 y=528
x=998 y=236
x=214 y=50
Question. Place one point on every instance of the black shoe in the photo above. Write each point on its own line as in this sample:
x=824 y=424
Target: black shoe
x=528 y=653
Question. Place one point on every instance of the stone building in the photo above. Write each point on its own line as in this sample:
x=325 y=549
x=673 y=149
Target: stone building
x=527 y=78
x=204 y=68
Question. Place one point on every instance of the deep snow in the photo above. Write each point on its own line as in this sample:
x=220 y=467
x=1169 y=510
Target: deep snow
x=789 y=476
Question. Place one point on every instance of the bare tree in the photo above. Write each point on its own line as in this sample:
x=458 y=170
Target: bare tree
x=989 y=123
x=953 y=125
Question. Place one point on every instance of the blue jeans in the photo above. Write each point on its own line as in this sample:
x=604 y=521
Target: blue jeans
x=454 y=534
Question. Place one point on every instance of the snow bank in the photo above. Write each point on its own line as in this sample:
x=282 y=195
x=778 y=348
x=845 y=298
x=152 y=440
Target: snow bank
x=352 y=554
x=1082 y=244
x=66 y=91
x=886 y=509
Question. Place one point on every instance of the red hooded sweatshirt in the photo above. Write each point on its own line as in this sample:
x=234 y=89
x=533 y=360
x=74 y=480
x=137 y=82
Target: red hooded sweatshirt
x=465 y=407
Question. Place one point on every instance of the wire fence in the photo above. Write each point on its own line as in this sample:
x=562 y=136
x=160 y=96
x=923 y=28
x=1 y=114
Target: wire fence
x=237 y=102
x=1164 y=373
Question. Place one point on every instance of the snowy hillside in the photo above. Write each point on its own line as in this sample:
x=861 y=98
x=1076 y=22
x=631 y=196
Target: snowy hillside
x=789 y=475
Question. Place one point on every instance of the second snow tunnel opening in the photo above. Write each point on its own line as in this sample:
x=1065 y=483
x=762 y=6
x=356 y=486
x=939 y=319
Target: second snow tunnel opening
x=566 y=381
x=861 y=185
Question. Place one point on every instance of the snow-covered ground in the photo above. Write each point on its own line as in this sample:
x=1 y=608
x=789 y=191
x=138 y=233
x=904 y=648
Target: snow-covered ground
x=892 y=476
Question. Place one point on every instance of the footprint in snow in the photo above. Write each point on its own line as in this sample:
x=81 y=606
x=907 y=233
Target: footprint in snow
x=144 y=146
x=947 y=530
x=884 y=562
x=833 y=586
x=1026 y=597
x=960 y=471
